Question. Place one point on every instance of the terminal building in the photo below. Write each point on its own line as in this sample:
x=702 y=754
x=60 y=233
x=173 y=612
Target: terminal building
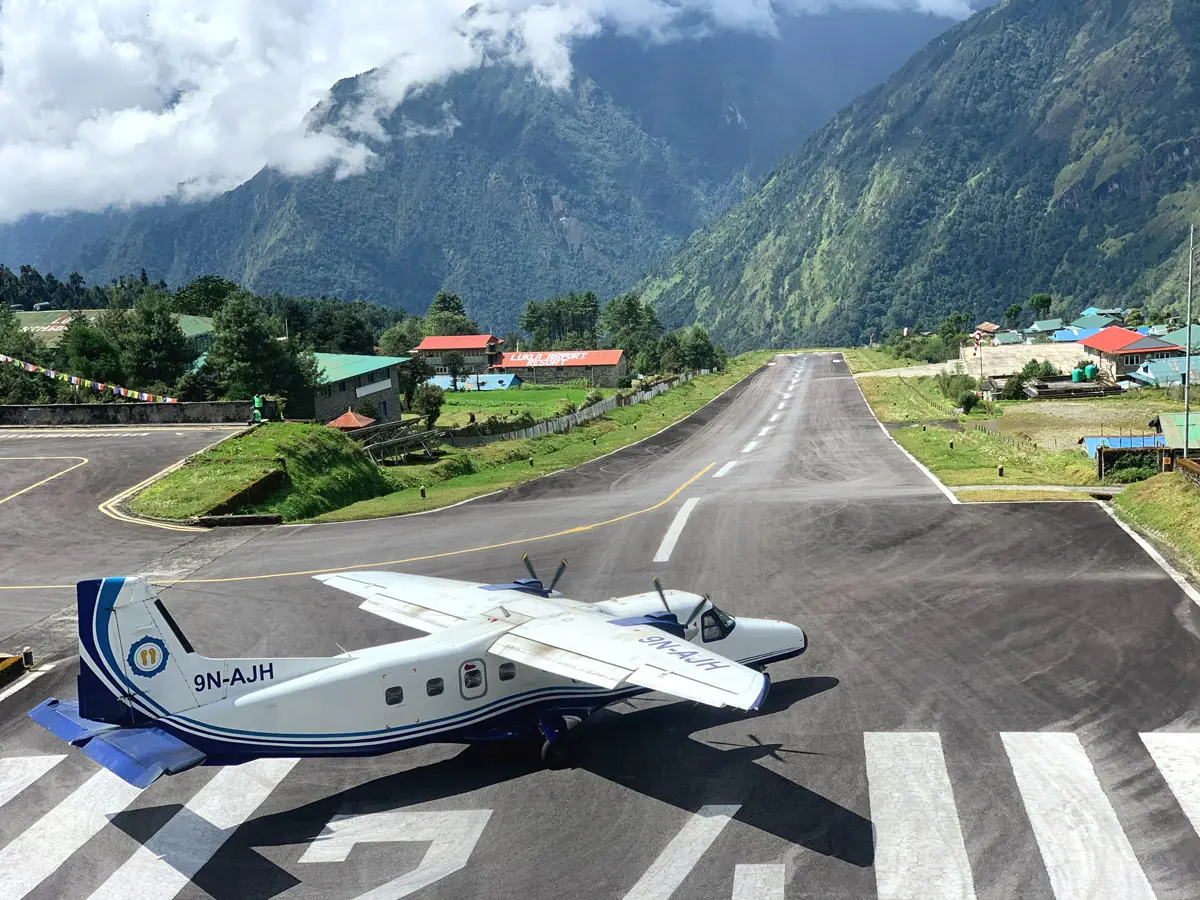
x=602 y=368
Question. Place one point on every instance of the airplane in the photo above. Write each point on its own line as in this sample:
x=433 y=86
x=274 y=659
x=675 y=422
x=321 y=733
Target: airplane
x=515 y=661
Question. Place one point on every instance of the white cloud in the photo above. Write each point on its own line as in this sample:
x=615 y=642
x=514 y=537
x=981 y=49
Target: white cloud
x=119 y=102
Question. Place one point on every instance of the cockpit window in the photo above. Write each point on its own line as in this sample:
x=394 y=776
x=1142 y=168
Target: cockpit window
x=716 y=625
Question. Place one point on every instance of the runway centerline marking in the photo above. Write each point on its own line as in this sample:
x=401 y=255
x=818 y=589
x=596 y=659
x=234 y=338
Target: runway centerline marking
x=679 y=857
x=750 y=446
x=667 y=547
x=578 y=529
x=83 y=461
x=1079 y=836
x=724 y=470
x=787 y=396
x=919 y=845
x=766 y=429
x=781 y=407
x=774 y=417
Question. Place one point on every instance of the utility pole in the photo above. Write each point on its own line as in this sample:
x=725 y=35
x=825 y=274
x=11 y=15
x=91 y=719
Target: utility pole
x=1187 y=360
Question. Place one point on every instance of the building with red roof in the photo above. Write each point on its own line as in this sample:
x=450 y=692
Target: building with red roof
x=1118 y=350
x=479 y=352
x=605 y=368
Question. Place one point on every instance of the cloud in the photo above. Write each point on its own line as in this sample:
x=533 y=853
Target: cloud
x=123 y=102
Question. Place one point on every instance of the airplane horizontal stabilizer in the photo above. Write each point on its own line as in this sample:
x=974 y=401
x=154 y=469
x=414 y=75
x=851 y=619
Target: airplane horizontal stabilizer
x=139 y=756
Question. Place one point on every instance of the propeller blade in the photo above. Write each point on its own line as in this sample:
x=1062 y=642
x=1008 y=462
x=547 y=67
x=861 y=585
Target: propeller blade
x=696 y=612
x=562 y=567
x=529 y=566
x=661 y=595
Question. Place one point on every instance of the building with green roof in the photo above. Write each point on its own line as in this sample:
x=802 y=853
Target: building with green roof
x=1179 y=338
x=350 y=380
x=1170 y=426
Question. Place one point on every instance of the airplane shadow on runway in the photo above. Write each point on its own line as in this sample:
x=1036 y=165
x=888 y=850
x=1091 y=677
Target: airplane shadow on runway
x=650 y=751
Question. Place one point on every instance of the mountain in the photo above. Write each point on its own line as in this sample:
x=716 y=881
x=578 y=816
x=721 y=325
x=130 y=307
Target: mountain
x=498 y=188
x=1041 y=145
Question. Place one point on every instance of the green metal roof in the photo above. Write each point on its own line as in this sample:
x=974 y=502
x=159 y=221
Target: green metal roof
x=340 y=366
x=1086 y=322
x=1172 y=429
x=1046 y=325
x=1009 y=337
x=1179 y=337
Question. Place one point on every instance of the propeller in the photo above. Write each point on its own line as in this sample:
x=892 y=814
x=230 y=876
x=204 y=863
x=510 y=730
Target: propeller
x=562 y=567
x=771 y=750
x=695 y=612
x=661 y=595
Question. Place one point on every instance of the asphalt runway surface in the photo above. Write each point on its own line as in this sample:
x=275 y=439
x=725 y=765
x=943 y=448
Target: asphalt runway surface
x=998 y=700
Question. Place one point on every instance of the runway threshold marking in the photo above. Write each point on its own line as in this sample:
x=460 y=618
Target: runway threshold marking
x=166 y=863
x=19 y=772
x=920 y=850
x=680 y=856
x=759 y=882
x=667 y=547
x=83 y=461
x=1076 y=829
x=1177 y=757
x=25 y=681
x=42 y=848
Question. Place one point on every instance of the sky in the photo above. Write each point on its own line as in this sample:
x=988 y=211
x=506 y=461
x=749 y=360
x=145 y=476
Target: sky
x=109 y=103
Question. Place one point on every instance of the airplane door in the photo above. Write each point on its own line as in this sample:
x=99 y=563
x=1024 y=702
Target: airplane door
x=472 y=679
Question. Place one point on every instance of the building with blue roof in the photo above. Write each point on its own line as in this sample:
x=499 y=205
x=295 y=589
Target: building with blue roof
x=1164 y=372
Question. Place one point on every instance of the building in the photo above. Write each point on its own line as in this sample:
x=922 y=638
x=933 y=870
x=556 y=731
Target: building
x=603 y=368
x=1004 y=338
x=1171 y=426
x=1119 y=351
x=1088 y=322
x=345 y=380
x=1179 y=337
x=479 y=352
x=987 y=327
x=1165 y=372
x=48 y=326
x=1045 y=326
x=476 y=382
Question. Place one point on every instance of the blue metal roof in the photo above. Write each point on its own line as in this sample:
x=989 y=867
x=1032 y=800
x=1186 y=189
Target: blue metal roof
x=477 y=382
x=1071 y=335
x=1165 y=371
x=1126 y=442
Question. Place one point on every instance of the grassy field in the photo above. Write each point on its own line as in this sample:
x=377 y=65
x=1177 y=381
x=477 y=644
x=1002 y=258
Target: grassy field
x=1167 y=509
x=976 y=456
x=1020 y=496
x=466 y=473
x=869 y=359
x=1059 y=424
x=325 y=470
x=539 y=402
x=898 y=399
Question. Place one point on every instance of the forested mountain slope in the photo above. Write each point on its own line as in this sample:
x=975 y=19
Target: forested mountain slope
x=502 y=190
x=1042 y=145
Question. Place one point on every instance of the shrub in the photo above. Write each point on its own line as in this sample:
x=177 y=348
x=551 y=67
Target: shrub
x=954 y=384
x=427 y=402
x=968 y=401
x=1014 y=388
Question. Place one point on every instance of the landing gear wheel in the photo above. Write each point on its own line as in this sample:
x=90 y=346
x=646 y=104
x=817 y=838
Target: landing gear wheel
x=556 y=755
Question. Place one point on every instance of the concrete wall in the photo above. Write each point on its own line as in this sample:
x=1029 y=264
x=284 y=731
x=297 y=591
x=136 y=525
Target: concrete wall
x=132 y=413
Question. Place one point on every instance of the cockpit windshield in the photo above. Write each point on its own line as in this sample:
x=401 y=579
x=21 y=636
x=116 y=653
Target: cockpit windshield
x=716 y=625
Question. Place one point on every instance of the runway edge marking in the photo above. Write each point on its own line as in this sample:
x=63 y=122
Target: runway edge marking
x=916 y=462
x=1173 y=573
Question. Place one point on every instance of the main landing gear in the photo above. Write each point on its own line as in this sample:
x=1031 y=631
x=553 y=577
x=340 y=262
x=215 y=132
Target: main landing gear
x=556 y=750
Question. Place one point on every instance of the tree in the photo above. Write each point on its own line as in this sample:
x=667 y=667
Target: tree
x=16 y=385
x=155 y=350
x=632 y=325
x=410 y=376
x=1040 y=304
x=88 y=351
x=445 y=323
x=453 y=361
x=446 y=302
x=952 y=329
x=968 y=400
x=427 y=402
x=696 y=348
x=203 y=296
x=339 y=328
x=1133 y=318
x=248 y=360
x=1012 y=315
x=401 y=338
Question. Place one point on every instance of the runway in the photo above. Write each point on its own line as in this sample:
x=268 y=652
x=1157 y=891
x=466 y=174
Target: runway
x=998 y=700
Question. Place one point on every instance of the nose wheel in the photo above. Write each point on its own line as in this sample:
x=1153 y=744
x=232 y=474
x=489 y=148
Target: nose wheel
x=556 y=749
x=556 y=754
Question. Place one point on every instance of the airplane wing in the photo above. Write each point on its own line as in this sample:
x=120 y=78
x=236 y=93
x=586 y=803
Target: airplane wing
x=591 y=647
x=434 y=604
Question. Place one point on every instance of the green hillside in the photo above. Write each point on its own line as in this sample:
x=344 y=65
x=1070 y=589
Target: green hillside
x=1043 y=145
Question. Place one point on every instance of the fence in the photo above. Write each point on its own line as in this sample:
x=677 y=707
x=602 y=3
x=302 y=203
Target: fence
x=571 y=420
x=1021 y=443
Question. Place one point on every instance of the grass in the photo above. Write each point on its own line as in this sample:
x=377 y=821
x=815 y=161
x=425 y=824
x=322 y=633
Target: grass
x=898 y=399
x=325 y=470
x=976 y=455
x=466 y=473
x=1167 y=509
x=868 y=359
x=539 y=402
x=1059 y=424
x=1018 y=496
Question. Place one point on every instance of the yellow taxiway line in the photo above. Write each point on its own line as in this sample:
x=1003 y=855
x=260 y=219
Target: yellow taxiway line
x=397 y=562
x=83 y=461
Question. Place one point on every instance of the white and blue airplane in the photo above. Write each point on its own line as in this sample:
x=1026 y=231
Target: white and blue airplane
x=514 y=661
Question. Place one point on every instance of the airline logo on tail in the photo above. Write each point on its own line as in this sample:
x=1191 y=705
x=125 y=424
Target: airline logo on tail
x=148 y=657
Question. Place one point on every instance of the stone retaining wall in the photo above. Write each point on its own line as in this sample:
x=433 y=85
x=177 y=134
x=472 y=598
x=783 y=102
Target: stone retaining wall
x=59 y=414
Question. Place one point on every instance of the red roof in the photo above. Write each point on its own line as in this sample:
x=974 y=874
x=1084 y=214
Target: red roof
x=459 y=342
x=350 y=420
x=1115 y=339
x=547 y=359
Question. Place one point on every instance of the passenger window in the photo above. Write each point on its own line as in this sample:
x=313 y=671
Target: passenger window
x=434 y=686
x=393 y=696
x=472 y=679
x=508 y=671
